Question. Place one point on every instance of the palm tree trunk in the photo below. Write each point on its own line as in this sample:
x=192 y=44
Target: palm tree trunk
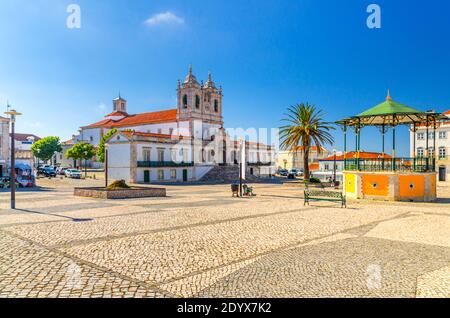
x=306 y=163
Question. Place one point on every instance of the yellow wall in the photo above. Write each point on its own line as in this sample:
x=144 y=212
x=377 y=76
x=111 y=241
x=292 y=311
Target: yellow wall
x=350 y=183
x=377 y=185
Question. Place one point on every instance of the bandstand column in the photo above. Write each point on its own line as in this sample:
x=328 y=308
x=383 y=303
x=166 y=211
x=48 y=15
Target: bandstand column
x=383 y=131
x=393 y=148
x=434 y=145
x=345 y=146
x=427 y=152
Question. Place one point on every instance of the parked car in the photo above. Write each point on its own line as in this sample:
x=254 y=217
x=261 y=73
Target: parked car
x=293 y=173
x=283 y=172
x=73 y=173
x=61 y=171
x=47 y=171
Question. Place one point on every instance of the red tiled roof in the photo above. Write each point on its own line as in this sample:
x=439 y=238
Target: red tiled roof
x=129 y=134
x=313 y=166
x=68 y=142
x=138 y=119
x=117 y=113
x=362 y=155
x=24 y=137
x=447 y=112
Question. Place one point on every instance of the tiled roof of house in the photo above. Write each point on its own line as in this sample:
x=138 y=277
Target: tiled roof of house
x=131 y=133
x=362 y=155
x=24 y=137
x=117 y=113
x=313 y=166
x=138 y=119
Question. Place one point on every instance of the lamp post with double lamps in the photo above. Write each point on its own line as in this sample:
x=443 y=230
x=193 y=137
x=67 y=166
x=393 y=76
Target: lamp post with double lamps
x=12 y=115
x=85 y=164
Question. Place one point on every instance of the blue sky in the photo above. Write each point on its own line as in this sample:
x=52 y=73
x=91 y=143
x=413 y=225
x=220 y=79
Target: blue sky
x=266 y=54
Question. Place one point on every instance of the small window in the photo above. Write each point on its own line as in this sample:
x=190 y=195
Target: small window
x=420 y=152
x=159 y=131
x=171 y=131
x=122 y=105
x=442 y=152
x=185 y=101
x=146 y=154
x=442 y=135
x=91 y=138
x=160 y=175
x=216 y=105
x=173 y=174
x=420 y=136
x=431 y=152
x=160 y=155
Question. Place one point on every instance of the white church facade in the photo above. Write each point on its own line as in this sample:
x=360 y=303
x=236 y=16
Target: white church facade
x=177 y=145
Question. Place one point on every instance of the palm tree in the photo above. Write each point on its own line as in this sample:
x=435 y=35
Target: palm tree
x=305 y=127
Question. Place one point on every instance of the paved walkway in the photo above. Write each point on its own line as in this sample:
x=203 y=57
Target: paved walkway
x=200 y=242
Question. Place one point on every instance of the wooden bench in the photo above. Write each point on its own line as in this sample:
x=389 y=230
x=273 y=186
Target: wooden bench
x=323 y=195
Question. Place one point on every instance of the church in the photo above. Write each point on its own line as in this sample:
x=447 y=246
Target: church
x=188 y=143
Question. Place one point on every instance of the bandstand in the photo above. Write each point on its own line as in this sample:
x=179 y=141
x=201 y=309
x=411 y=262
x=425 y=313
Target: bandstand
x=395 y=178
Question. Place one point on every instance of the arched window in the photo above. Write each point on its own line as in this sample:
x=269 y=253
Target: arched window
x=185 y=101
x=216 y=105
x=197 y=101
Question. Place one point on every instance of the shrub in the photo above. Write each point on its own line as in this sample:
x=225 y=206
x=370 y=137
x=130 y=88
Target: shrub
x=314 y=180
x=120 y=184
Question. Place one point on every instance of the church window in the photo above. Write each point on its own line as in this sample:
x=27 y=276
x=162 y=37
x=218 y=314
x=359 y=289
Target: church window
x=122 y=105
x=216 y=106
x=185 y=101
x=208 y=96
x=197 y=101
x=115 y=106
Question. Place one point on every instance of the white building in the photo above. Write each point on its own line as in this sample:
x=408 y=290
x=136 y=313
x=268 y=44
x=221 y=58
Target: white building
x=23 y=144
x=181 y=144
x=438 y=145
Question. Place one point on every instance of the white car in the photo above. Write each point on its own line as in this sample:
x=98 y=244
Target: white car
x=73 y=173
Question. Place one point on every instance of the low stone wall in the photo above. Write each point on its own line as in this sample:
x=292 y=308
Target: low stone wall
x=134 y=192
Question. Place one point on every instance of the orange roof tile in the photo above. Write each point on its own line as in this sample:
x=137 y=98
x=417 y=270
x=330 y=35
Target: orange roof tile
x=130 y=133
x=313 y=166
x=117 y=113
x=362 y=155
x=138 y=119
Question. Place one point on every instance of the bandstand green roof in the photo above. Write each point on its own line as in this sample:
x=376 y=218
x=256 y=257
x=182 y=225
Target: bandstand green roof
x=390 y=113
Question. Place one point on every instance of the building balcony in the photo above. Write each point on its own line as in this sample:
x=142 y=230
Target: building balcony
x=391 y=164
x=161 y=164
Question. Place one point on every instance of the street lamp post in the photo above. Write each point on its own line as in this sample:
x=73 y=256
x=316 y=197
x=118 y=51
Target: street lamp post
x=334 y=166
x=12 y=113
x=85 y=164
x=106 y=166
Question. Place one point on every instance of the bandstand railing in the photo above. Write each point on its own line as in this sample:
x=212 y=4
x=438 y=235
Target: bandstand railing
x=389 y=164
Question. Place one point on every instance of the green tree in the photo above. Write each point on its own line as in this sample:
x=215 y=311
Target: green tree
x=80 y=151
x=45 y=148
x=304 y=128
x=101 y=146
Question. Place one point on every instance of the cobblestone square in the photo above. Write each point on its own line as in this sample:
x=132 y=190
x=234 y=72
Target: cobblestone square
x=201 y=242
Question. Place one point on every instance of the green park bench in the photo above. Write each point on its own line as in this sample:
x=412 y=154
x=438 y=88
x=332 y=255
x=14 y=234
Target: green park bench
x=324 y=195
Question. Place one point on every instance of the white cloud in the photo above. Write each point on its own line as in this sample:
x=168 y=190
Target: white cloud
x=164 y=18
x=102 y=106
x=34 y=124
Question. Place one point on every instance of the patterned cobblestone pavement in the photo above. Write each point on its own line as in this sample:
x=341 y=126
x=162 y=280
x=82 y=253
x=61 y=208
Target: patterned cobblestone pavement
x=200 y=242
